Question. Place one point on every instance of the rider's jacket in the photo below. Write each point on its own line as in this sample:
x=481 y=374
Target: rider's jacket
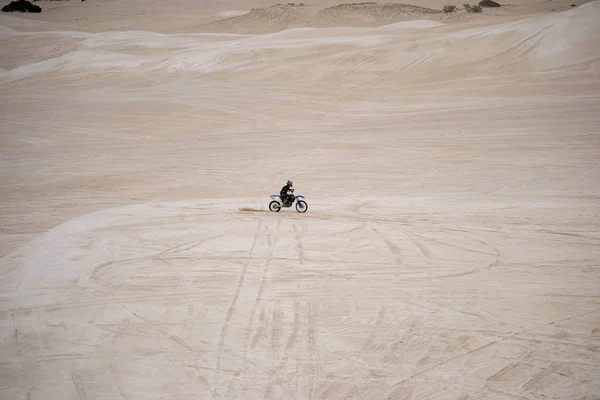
x=284 y=190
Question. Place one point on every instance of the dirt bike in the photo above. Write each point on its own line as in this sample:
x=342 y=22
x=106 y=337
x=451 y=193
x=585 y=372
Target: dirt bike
x=277 y=203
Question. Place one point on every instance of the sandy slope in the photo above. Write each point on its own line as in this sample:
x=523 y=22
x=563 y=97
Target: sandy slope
x=450 y=250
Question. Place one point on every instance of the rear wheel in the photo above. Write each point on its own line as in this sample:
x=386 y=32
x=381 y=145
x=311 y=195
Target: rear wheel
x=301 y=206
x=274 y=206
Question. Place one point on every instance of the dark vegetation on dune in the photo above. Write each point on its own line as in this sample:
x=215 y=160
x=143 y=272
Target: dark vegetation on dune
x=472 y=9
x=488 y=3
x=449 y=8
x=21 y=6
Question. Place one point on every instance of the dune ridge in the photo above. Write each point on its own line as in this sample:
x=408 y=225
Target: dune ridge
x=293 y=15
x=544 y=43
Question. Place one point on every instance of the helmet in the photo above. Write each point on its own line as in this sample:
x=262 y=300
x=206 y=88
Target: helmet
x=290 y=182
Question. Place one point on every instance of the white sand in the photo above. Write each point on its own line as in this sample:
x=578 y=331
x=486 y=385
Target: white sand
x=234 y=13
x=451 y=249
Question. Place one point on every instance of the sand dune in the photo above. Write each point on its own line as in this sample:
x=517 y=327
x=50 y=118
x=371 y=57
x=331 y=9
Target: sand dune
x=452 y=241
x=285 y=16
x=542 y=43
x=568 y=36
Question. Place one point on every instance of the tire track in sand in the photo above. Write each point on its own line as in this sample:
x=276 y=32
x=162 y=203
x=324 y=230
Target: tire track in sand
x=15 y=322
x=261 y=288
x=370 y=343
x=391 y=246
x=231 y=309
x=116 y=374
x=78 y=382
x=312 y=349
x=299 y=244
x=271 y=243
x=487 y=345
x=276 y=328
x=291 y=342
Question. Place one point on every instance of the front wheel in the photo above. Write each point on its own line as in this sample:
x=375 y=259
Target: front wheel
x=274 y=206
x=301 y=206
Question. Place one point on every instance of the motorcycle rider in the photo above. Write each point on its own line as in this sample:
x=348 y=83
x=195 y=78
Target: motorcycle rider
x=287 y=193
